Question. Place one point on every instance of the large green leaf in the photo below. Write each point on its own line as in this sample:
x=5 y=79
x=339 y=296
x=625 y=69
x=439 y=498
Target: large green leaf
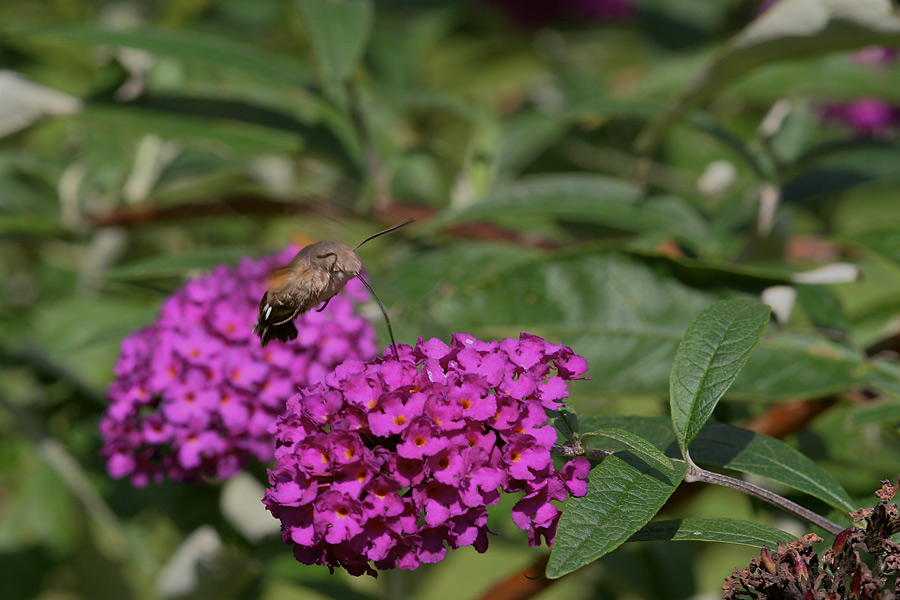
x=625 y=313
x=738 y=449
x=194 y=46
x=729 y=531
x=791 y=30
x=708 y=360
x=211 y=133
x=339 y=30
x=177 y=265
x=624 y=316
x=623 y=495
x=82 y=335
x=585 y=198
x=750 y=452
x=799 y=366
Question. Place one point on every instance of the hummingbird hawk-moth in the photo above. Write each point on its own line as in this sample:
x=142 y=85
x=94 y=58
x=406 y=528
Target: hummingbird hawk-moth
x=314 y=276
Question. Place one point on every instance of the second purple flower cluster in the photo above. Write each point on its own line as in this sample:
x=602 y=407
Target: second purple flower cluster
x=195 y=394
x=395 y=462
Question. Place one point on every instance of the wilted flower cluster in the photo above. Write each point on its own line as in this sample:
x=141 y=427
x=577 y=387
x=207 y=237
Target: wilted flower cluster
x=393 y=462
x=195 y=393
x=796 y=571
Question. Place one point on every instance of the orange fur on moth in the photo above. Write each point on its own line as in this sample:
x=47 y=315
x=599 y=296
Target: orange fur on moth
x=314 y=276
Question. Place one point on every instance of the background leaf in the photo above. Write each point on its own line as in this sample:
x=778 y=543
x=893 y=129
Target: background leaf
x=792 y=29
x=585 y=199
x=201 y=47
x=729 y=531
x=339 y=30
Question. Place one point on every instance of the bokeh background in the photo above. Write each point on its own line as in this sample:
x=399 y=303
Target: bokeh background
x=592 y=171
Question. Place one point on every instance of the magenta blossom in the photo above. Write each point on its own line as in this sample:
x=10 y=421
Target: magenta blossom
x=389 y=464
x=196 y=394
x=867 y=117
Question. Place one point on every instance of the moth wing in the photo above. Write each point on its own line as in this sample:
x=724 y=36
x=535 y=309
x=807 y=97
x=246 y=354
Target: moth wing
x=293 y=290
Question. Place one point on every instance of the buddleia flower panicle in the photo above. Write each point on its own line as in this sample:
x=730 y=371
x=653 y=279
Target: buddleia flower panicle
x=195 y=394
x=389 y=464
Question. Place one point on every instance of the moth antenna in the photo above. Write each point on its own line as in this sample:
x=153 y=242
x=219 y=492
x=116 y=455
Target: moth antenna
x=380 y=233
x=380 y=305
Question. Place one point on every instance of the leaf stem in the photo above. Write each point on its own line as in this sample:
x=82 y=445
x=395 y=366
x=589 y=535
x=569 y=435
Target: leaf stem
x=697 y=474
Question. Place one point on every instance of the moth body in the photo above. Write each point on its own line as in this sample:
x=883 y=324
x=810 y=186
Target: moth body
x=314 y=276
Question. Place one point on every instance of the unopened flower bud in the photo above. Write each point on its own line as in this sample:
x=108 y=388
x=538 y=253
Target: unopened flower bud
x=799 y=566
x=855 y=584
x=767 y=561
x=841 y=540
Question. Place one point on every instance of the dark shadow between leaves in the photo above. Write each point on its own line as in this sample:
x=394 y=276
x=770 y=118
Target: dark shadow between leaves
x=647 y=469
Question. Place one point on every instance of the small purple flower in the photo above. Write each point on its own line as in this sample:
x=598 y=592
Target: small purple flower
x=196 y=394
x=868 y=117
x=389 y=464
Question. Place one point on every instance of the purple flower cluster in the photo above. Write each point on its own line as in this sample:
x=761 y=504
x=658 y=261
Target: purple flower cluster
x=195 y=393
x=870 y=117
x=536 y=13
x=393 y=462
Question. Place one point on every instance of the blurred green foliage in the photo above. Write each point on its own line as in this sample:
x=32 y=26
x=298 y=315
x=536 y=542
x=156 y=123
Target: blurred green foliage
x=157 y=139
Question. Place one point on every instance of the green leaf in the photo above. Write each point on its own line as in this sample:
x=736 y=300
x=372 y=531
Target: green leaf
x=738 y=449
x=224 y=135
x=799 y=366
x=884 y=376
x=624 y=315
x=525 y=136
x=82 y=335
x=623 y=495
x=177 y=265
x=29 y=224
x=708 y=360
x=339 y=30
x=190 y=46
x=823 y=307
x=636 y=443
x=585 y=198
x=749 y=452
x=791 y=30
x=729 y=531
x=885 y=412
x=883 y=242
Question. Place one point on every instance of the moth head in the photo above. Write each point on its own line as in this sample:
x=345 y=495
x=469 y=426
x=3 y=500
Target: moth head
x=336 y=258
